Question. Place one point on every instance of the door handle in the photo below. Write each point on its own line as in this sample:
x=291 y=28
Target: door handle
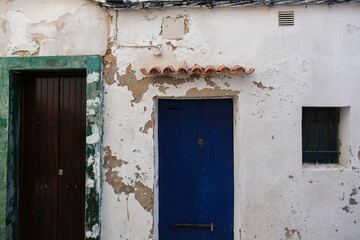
x=211 y=226
x=43 y=186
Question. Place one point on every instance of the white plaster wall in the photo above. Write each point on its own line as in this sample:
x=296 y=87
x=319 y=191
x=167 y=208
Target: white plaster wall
x=47 y=28
x=314 y=63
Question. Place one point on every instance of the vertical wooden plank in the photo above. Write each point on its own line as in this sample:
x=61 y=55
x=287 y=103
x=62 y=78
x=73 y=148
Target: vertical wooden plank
x=43 y=162
x=79 y=158
x=177 y=168
x=32 y=166
x=61 y=156
x=72 y=161
x=216 y=181
x=70 y=164
x=52 y=145
x=63 y=146
x=35 y=163
x=36 y=188
x=43 y=181
x=56 y=105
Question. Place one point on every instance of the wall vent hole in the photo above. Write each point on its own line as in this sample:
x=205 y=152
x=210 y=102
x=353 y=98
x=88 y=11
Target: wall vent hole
x=286 y=18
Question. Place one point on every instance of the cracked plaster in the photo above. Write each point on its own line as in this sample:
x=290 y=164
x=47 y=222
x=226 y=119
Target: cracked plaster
x=266 y=106
x=62 y=30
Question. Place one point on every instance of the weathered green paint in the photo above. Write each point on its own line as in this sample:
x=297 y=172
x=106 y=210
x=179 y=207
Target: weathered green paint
x=3 y=122
x=13 y=155
x=10 y=68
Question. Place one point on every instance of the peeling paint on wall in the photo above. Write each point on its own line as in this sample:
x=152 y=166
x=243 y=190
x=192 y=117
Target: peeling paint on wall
x=67 y=34
x=25 y=53
x=211 y=92
x=346 y=209
x=261 y=86
x=140 y=87
x=110 y=161
x=259 y=115
x=290 y=233
x=95 y=136
x=94 y=233
x=354 y=192
x=163 y=89
x=143 y=194
x=110 y=65
x=352 y=201
x=149 y=124
x=93 y=77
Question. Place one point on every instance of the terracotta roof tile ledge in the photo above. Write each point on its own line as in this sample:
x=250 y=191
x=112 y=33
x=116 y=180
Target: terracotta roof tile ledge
x=170 y=70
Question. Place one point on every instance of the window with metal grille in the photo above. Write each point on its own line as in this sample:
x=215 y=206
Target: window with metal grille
x=320 y=135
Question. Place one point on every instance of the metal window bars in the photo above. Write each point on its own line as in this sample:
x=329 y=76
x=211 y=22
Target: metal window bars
x=320 y=135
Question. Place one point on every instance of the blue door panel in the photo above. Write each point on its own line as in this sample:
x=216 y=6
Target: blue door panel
x=176 y=193
x=216 y=168
x=196 y=180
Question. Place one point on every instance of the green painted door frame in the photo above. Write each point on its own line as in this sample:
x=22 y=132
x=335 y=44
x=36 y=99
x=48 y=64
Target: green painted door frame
x=10 y=68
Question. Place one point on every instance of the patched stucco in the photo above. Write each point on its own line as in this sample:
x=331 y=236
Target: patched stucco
x=65 y=28
x=271 y=186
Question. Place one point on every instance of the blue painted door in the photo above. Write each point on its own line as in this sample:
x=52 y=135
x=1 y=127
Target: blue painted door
x=196 y=186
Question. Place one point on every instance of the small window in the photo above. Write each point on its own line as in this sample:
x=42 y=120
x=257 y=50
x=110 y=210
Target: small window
x=320 y=135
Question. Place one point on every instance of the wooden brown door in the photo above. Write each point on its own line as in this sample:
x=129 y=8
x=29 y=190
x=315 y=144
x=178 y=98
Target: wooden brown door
x=52 y=156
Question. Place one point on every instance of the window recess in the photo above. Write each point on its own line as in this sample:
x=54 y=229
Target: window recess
x=320 y=135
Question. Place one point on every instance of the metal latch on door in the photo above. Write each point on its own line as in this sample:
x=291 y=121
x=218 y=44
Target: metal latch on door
x=211 y=226
x=201 y=142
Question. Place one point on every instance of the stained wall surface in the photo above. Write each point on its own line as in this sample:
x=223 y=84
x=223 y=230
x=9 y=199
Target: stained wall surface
x=316 y=62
